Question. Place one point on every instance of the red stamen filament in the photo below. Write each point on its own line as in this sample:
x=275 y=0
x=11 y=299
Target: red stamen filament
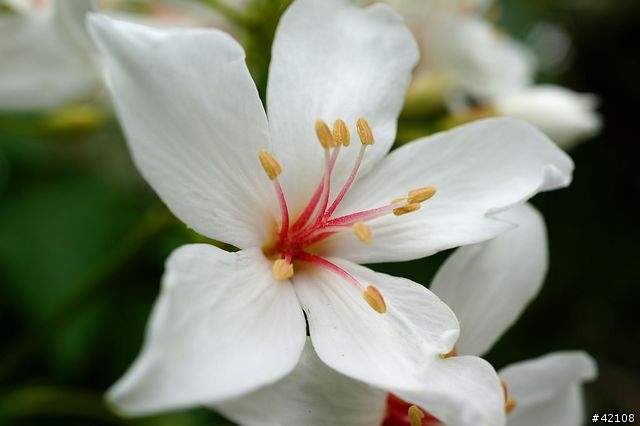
x=307 y=257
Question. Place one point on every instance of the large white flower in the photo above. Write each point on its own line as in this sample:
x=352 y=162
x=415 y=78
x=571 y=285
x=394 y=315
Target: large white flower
x=488 y=284
x=228 y=323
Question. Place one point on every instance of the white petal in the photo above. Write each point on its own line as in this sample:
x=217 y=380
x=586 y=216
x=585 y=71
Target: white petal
x=461 y=391
x=481 y=60
x=312 y=395
x=478 y=170
x=488 y=285
x=565 y=116
x=547 y=390
x=194 y=123
x=222 y=327
x=333 y=60
x=70 y=16
x=392 y=350
x=42 y=67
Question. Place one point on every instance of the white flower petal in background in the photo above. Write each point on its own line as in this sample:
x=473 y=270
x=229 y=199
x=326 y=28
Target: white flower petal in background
x=548 y=390
x=221 y=327
x=565 y=116
x=359 y=66
x=207 y=168
x=475 y=56
x=312 y=395
x=477 y=169
x=488 y=285
x=48 y=64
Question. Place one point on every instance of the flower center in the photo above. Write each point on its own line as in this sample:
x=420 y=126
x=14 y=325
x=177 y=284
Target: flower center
x=292 y=238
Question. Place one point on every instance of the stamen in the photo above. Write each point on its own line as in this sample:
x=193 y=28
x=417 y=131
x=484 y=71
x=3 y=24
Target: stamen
x=270 y=165
x=282 y=270
x=324 y=135
x=330 y=266
x=363 y=232
x=318 y=194
x=364 y=131
x=415 y=415
x=366 y=215
x=421 y=194
x=374 y=298
x=284 y=209
x=452 y=352
x=406 y=209
x=347 y=184
x=341 y=133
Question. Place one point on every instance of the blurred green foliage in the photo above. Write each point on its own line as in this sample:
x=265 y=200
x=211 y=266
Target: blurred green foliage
x=83 y=239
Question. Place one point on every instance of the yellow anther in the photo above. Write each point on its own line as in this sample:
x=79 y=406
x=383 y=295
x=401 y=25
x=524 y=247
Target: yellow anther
x=282 y=270
x=415 y=415
x=421 y=194
x=363 y=232
x=341 y=133
x=364 y=131
x=452 y=352
x=324 y=135
x=270 y=165
x=374 y=298
x=406 y=209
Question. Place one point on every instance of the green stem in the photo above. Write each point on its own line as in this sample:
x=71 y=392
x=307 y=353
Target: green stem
x=155 y=220
x=38 y=401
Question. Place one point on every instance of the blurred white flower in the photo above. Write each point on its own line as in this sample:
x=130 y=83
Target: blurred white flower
x=468 y=57
x=478 y=60
x=227 y=324
x=49 y=58
x=46 y=57
x=565 y=116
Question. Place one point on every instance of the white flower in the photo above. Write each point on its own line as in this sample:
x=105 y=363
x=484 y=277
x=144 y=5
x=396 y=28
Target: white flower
x=565 y=116
x=227 y=324
x=48 y=60
x=489 y=285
